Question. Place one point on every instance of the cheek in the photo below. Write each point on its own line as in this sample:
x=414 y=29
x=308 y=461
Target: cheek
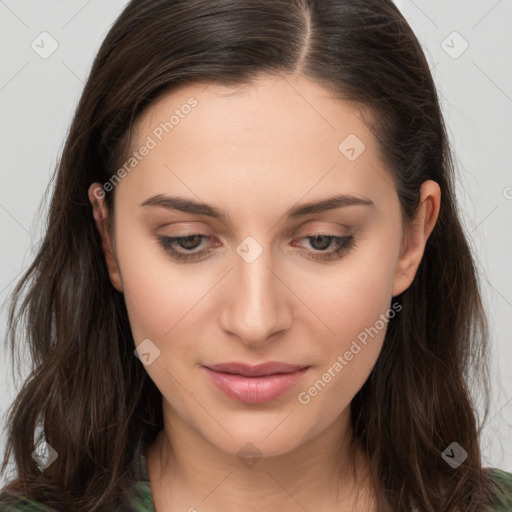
x=164 y=298
x=351 y=296
x=151 y=299
x=356 y=307
x=360 y=325
x=158 y=293
x=163 y=302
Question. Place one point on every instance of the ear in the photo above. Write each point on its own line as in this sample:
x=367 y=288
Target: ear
x=417 y=234
x=100 y=212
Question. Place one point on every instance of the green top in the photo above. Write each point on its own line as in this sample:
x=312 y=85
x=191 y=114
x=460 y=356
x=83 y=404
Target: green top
x=144 y=502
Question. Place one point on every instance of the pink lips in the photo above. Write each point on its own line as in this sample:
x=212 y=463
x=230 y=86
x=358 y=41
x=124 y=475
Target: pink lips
x=254 y=384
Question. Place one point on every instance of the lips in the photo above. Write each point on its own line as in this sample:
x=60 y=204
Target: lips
x=260 y=370
x=254 y=384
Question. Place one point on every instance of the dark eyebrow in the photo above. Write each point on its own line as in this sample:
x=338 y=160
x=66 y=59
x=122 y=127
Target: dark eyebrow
x=190 y=206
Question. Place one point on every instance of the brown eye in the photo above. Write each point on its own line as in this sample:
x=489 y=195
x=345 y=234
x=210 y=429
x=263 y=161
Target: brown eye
x=319 y=243
x=186 y=243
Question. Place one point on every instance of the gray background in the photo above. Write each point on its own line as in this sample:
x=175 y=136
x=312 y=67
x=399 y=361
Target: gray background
x=38 y=96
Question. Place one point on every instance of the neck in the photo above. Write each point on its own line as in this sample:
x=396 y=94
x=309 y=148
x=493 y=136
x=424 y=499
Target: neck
x=187 y=472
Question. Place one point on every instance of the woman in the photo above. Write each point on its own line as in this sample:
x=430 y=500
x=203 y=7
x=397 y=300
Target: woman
x=254 y=292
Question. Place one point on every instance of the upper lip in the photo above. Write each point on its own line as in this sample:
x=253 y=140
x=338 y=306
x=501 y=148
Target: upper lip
x=269 y=368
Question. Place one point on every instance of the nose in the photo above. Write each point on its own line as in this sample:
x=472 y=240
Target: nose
x=258 y=303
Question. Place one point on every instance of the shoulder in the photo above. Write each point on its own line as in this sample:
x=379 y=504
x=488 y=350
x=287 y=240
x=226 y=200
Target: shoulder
x=140 y=501
x=502 y=489
x=24 y=505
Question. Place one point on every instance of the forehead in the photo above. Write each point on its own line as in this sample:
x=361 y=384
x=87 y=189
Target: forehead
x=275 y=141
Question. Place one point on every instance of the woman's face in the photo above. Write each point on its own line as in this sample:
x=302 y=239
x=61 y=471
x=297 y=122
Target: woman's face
x=270 y=277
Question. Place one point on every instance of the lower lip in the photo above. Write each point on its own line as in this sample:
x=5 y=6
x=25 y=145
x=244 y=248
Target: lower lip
x=255 y=390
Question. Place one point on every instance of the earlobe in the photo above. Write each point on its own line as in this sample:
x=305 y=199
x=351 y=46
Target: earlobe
x=100 y=213
x=417 y=234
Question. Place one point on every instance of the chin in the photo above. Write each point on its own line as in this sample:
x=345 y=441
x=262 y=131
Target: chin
x=264 y=439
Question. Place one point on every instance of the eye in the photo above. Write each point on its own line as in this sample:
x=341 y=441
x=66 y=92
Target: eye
x=320 y=242
x=187 y=243
x=342 y=245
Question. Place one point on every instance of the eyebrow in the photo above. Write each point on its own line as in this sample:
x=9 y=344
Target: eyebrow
x=189 y=206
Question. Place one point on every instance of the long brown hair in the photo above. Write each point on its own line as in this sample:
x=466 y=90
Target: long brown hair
x=93 y=399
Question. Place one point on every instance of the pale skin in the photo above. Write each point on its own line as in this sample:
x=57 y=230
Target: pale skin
x=256 y=152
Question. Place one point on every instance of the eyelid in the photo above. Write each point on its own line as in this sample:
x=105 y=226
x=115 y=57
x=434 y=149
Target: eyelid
x=311 y=231
x=323 y=225
x=344 y=244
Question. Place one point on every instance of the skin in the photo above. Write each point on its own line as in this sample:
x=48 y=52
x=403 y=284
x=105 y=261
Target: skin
x=256 y=152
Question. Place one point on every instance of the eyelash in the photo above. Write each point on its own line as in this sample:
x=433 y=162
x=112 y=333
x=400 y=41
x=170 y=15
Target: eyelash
x=344 y=245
